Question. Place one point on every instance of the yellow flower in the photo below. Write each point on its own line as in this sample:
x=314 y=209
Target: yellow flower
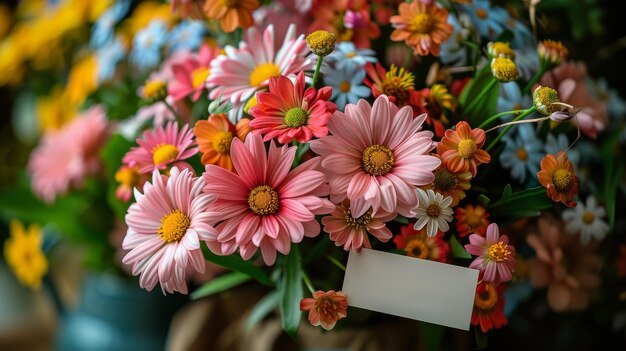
x=5 y=20
x=82 y=79
x=56 y=109
x=144 y=13
x=11 y=60
x=23 y=254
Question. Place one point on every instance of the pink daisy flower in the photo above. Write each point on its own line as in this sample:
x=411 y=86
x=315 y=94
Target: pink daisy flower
x=191 y=75
x=165 y=227
x=287 y=112
x=496 y=258
x=264 y=205
x=377 y=156
x=351 y=232
x=247 y=69
x=64 y=158
x=162 y=147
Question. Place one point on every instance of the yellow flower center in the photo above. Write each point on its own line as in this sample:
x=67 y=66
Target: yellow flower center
x=499 y=48
x=498 y=252
x=174 y=225
x=481 y=13
x=397 y=83
x=155 y=90
x=252 y=102
x=359 y=222
x=164 y=153
x=444 y=179
x=345 y=86
x=472 y=219
x=544 y=99
x=504 y=69
x=263 y=72
x=522 y=154
x=562 y=180
x=417 y=248
x=422 y=23
x=377 y=160
x=321 y=42
x=263 y=200
x=433 y=210
x=467 y=148
x=127 y=176
x=199 y=77
x=296 y=117
x=351 y=54
x=487 y=298
x=588 y=217
x=221 y=142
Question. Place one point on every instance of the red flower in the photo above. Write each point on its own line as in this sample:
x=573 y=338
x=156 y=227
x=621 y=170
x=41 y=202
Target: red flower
x=488 y=309
x=325 y=308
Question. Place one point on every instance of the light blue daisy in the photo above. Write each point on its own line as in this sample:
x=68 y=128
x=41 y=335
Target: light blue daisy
x=187 y=35
x=347 y=86
x=489 y=21
x=511 y=98
x=147 y=45
x=347 y=56
x=522 y=153
x=615 y=105
x=103 y=30
x=108 y=56
x=554 y=144
x=453 y=53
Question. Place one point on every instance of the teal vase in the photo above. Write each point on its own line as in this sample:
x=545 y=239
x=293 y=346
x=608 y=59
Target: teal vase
x=114 y=313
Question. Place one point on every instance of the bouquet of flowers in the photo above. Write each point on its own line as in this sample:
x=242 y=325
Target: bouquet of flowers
x=267 y=141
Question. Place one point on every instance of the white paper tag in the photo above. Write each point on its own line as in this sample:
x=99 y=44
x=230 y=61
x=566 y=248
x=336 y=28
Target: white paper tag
x=409 y=287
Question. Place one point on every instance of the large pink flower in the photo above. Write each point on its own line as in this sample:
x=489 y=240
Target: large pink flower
x=165 y=227
x=190 y=76
x=496 y=258
x=289 y=112
x=264 y=205
x=161 y=148
x=64 y=158
x=377 y=156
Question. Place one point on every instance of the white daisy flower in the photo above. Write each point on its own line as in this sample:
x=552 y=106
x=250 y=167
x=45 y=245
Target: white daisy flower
x=433 y=211
x=588 y=220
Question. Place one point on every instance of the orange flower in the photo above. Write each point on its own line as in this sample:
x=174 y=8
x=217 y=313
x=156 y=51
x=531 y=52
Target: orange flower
x=449 y=183
x=214 y=137
x=558 y=177
x=423 y=27
x=461 y=150
x=471 y=220
x=325 y=308
x=231 y=13
x=416 y=243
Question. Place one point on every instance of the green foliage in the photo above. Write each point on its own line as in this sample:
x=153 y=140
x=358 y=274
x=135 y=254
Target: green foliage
x=236 y=263
x=524 y=203
x=291 y=291
x=219 y=284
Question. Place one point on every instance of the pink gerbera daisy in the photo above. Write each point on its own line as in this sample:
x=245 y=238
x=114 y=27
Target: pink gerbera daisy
x=377 y=156
x=244 y=70
x=264 y=205
x=496 y=258
x=162 y=147
x=288 y=112
x=190 y=76
x=64 y=158
x=165 y=227
x=351 y=232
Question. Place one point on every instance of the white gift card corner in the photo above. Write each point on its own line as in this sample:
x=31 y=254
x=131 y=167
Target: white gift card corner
x=410 y=287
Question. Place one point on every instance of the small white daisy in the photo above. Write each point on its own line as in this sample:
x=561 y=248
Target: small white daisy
x=588 y=220
x=433 y=211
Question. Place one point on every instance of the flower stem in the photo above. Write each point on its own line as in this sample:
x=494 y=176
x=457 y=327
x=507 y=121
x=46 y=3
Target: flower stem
x=336 y=263
x=495 y=141
x=480 y=96
x=171 y=108
x=534 y=79
x=496 y=116
x=317 y=70
x=307 y=282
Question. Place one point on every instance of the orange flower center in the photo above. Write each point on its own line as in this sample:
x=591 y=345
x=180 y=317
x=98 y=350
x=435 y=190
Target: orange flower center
x=588 y=217
x=482 y=13
x=174 y=225
x=263 y=72
x=522 y=154
x=127 y=176
x=199 y=77
x=351 y=54
x=498 y=252
x=473 y=219
x=433 y=210
x=421 y=23
x=345 y=86
x=467 y=148
x=444 y=179
x=164 y=153
x=221 y=142
x=296 y=117
x=377 y=160
x=487 y=298
x=417 y=248
x=562 y=180
x=359 y=222
x=326 y=307
x=263 y=200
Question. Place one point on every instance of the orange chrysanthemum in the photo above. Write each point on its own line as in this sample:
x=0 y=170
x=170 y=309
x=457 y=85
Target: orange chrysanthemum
x=423 y=27
x=398 y=83
x=558 y=177
x=325 y=308
x=449 y=183
x=214 y=137
x=461 y=149
x=471 y=220
x=416 y=243
x=231 y=13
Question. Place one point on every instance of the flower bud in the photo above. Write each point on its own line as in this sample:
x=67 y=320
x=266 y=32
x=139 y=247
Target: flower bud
x=321 y=42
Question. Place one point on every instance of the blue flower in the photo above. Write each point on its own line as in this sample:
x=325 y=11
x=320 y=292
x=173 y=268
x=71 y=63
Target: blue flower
x=615 y=105
x=561 y=143
x=523 y=153
x=187 y=35
x=103 y=29
x=108 y=57
x=147 y=45
x=511 y=98
x=527 y=62
x=347 y=56
x=347 y=86
x=452 y=51
x=488 y=21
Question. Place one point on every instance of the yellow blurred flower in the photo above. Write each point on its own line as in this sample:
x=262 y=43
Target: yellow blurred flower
x=82 y=79
x=144 y=13
x=10 y=61
x=23 y=254
x=56 y=109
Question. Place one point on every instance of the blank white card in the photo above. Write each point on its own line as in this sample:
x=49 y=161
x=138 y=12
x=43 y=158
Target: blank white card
x=409 y=287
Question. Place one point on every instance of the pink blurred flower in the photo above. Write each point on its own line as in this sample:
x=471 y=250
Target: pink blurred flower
x=264 y=205
x=288 y=112
x=496 y=257
x=165 y=227
x=65 y=157
x=190 y=76
x=325 y=308
x=377 y=156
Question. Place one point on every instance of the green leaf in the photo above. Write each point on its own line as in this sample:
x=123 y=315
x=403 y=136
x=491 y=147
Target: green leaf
x=457 y=249
x=401 y=219
x=219 y=284
x=291 y=292
x=487 y=106
x=432 y=335
x=264 y=307
x=525 y=203
x=237 y=264
x=483 y=200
